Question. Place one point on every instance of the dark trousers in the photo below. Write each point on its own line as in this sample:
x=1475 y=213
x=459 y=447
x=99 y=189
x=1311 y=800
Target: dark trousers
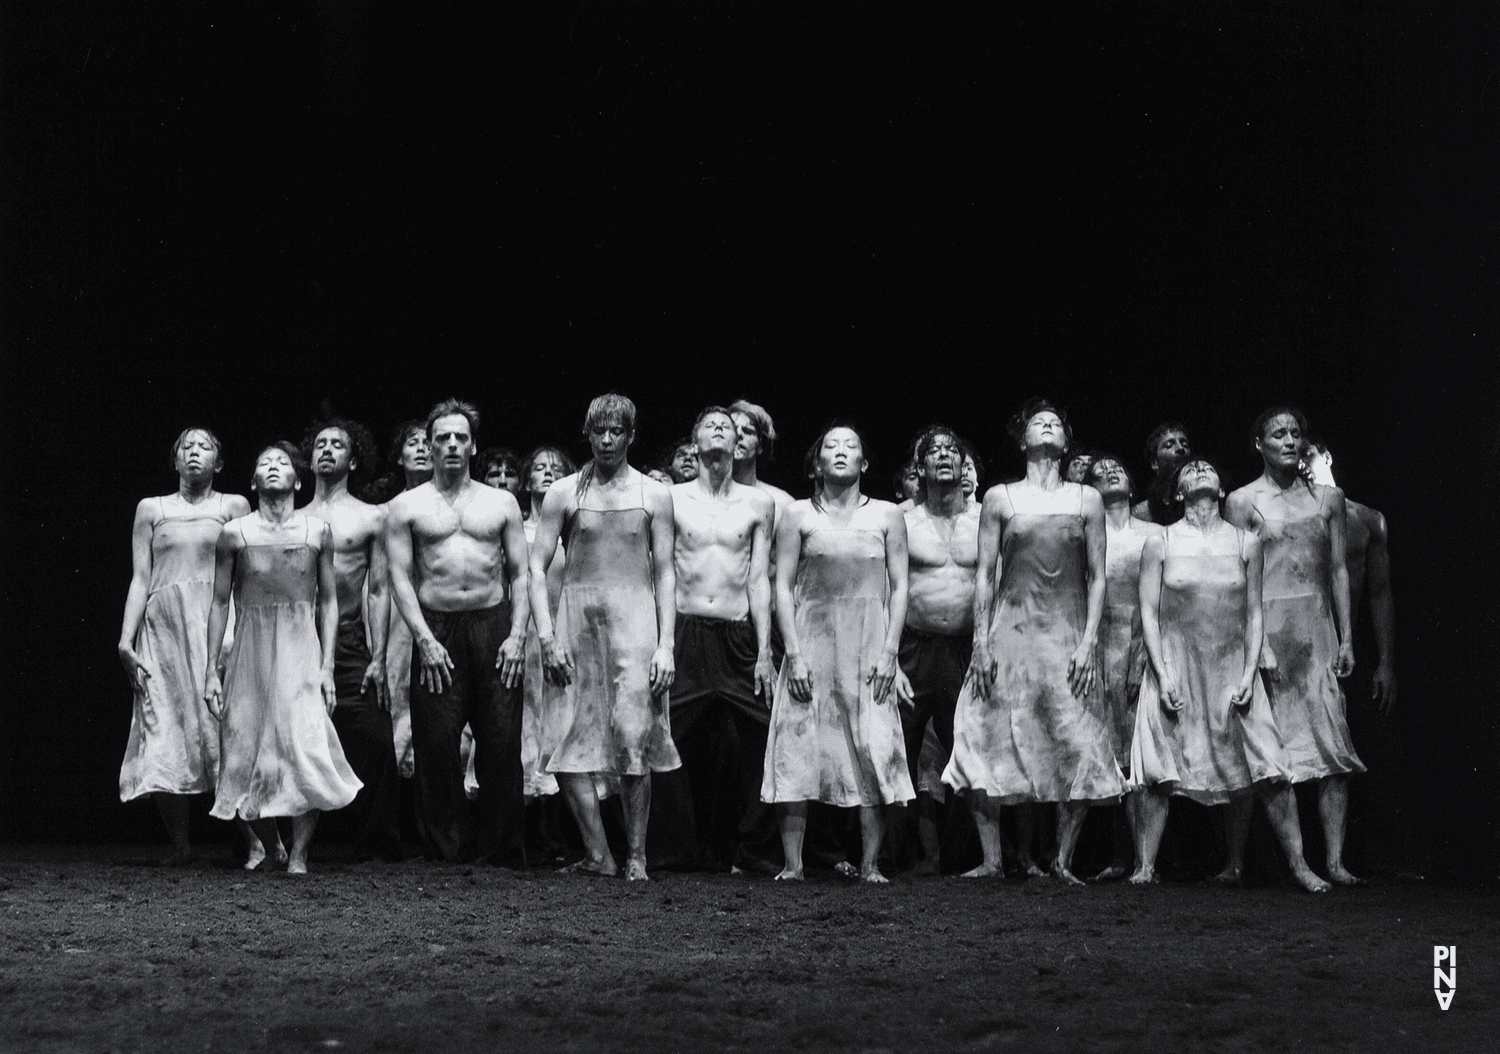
x=372 y=820
x=936 y=665
x=476 y=697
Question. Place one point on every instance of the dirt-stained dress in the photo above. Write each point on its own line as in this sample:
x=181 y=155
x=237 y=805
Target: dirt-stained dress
x=544 y=718
x=281 y=754
x=1122 y=648
x=607 y=618
x=841 y=747
x=1208 y=751
x=174 y=740
x=1301 y=629
x=1032 y=740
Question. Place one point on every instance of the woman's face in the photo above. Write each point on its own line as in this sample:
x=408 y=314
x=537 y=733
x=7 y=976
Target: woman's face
x=1045 y=429
x=546 y=469
x=1198 y=479
x=503 y=476
x=1280 y=444
x=416 y=453
x=197 y=457
x=841 y=458
x=274 y=473
x=1109 y=478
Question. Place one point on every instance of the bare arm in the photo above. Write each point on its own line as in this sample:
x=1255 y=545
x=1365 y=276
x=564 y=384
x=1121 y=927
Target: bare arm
x=437 y=668
x=1382 y=613
x=663 y=536
x=883 y=673
x=555 y=657
x=511 y=660
x=992 y=516
x=328 y=614
x=1153 y=557
x=378 y=611
x=135 y=598
x=1337 y=540
x=225 y=552
x=760 y=596
x=1081 y=665
x=788 y=553
x=1254 y=559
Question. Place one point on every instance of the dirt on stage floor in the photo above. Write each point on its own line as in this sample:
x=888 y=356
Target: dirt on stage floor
x=99 y=955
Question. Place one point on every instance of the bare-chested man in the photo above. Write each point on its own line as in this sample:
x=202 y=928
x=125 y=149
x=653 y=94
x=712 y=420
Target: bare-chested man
x=937 y=641
x=453 y=543
x=721 y=697
x=338 y=449
x=755 y=435
x=1167 y=446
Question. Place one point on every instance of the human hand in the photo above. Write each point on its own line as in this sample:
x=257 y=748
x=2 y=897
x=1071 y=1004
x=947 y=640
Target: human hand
x=663 y=670
x=881 y=674
x=982 y=669
x=510 y=660
x=1384 y=688
x=799 y=678
x=213 y=695
x=557 y=663
x=375 y=678
x=765 y=677
x=437 y=667
x=330 y=690
x=1343 y=666
x=904 y=695
x=1171 y=699
x=1081 y=669
x=1268 y=664
x=135 y=669
x=1240 y=697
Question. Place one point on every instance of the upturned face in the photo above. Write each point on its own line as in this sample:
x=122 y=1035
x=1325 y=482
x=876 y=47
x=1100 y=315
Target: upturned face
x=970 y=476
x=747 y=438
x=841 y=458
x=664 y=478
x=503 y=477
x=546 y=469
x=452 y=442
x=274 y=473
x=1173 y=446
x=332 y=454
x=197 y=457
x=1280 y=444
x=1078 y=469
x=911 y=482
x=416 y=452
x=1109 y=478
x=716 y=434
x=1045 y=431
x=610 y=441
x=1198 y=479
x=1319 y=465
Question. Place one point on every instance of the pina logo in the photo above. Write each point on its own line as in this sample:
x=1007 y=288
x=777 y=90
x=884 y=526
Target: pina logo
x=1441 y=978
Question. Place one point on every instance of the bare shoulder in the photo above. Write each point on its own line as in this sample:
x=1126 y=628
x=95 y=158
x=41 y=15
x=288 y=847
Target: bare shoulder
x=996 y=501
x=319 y=533
x=1093 y=503
x=657 y=496
x=1156 y=544
x=886 y=513
x=779 y=496
x=796 y=513
x=1331 y=500
x=1149 y=529
x=1250 y=543
x=236 y=505
x=760 y=501
x=146 y=510
x=1141 y=510
x=502 y=500
x=407 y=504
x=232 y=534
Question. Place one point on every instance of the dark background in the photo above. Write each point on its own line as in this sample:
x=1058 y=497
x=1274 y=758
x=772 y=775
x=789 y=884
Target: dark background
x=226 y=213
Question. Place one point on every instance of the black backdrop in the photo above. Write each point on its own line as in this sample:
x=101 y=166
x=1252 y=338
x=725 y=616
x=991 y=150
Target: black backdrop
x=899 y=212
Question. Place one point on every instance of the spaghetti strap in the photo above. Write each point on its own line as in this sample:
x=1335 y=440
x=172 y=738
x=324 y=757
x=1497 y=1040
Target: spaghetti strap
x=1080 y=498
x=161 y=509
x=221 y=507
x=240 y=524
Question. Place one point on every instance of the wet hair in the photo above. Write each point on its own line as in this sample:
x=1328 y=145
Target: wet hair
x=1099 y=458
x=1258 y=430
x=493 y=457
x=1160 y=432
x=810 y=459
x=177 y=445
x=287 y=447
x=1016 y=427
x=361 y=444
x=393 y=482
x=568 y=468
x=611 y=406
x=921 y=446
x=898 y=478
x=1194 y=459
x=454 y=408
x=762 y=421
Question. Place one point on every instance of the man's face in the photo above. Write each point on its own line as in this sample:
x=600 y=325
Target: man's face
x=1171 y=448
x=416 y=452
x=747 y=438
x=503 y=476
x=197 y=457
x=911 y=482
x=716 y=434
x=1078 y=468
x=1319 y=465
x=684 y=464
x=274 y=473
x=609 y=441
x=331 y=453
x=452 y=445
x=943 y=461
x=970 y=476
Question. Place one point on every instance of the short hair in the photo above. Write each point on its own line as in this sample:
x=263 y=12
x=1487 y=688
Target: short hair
x=610 y=406
x=1078 y=455
x=177 y=444
x=1159 y=433
x=898 y=478
x=1258 y=430
x=494 y=456
x=923 y=442
x=1016 y=427
x=762 y=421
x=810 y=459
x=1100 y=457
x=361 y=442
x=707 y=411
x=288 y=448
x=973 y=455
x=1171 y=495
x=399 y=435
x=454 y=408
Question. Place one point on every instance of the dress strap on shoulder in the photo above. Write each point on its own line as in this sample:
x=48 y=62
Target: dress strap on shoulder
x=307 y=530
x=240 y=523
x=221 y=508
x=1080 y=498
x=161 y=509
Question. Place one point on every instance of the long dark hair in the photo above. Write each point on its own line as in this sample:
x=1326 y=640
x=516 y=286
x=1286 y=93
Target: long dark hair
x=394 y=481
x=568 y=468
x=810 y=460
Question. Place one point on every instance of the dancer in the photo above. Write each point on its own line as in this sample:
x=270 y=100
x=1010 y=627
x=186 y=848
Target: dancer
x=453 y=544
x=1076 y=467
x=942 y=537
x=722 y=691
x=498 y=467
x=173 y=749
x=281 y=753
x=835 y=735
x=613 y=643
x=907 y=482
x=1167 y=447
x=755 y=437
x=339 y=450
x=1031 y=724
x=682 y=466
x=1123 y=661
x=1205 y=729
x=1307 y=627
x=410 y=466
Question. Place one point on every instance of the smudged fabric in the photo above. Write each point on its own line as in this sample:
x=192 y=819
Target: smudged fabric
x=841 y=747
x=1121 y=644
x=1208 y=751
x=930 y=765
x=398 y=652
x=608 y=620
x=545 y=718
x=1033 y=740
x=281 y=754
x=1301 y=629
x=174 y=741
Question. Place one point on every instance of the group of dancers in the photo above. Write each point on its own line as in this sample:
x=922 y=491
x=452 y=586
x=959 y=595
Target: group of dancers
x=601 y=631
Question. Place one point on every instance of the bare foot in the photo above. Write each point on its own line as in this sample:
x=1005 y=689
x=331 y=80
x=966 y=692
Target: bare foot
x=635 y=870
x=1111 y=874
x=594 y=868
x=788 y=875
x=1144 y=876
x=1309 y=881
x=873 y=876
x=1028 y=866
x=296 y=866
x=1340 y=877
x=982 y=871
x=845 y=869
x=1230 y=876
x=1058 y=871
